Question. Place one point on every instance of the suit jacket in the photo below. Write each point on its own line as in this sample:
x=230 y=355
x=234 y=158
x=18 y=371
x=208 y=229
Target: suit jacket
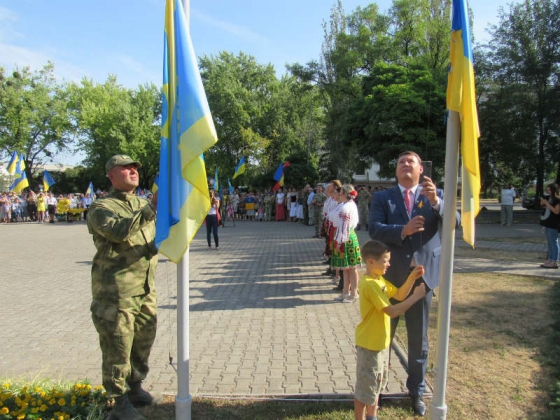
x=387 y=218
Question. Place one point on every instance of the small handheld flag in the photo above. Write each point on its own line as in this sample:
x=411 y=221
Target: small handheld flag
x=216 y=183
x=240 y=168
x=20 y=166
x=12 y=164
x=47 y=181
x=90 y=189
x=20 y=183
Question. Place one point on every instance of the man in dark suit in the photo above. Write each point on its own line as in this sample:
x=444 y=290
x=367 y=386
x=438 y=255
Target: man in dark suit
x=407 y=218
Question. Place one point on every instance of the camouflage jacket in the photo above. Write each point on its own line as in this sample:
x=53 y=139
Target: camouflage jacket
x=123 y=229
x=319 y=199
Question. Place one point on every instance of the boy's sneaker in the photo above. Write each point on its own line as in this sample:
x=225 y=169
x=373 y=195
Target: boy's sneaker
x=350 y=299
x=342 y=297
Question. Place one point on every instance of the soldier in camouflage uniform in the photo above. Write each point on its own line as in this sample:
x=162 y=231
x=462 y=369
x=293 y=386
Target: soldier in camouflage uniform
x=268 y=205
x=364 y=198
x=123 y=307
x=318 y=201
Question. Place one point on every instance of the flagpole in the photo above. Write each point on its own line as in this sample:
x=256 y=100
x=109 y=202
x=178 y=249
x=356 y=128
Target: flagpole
x=183 y=400
x=438 y=408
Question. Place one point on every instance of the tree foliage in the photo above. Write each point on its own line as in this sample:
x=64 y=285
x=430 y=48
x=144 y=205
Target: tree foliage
x=34 y=119
x=111 y=119
x=521 y=101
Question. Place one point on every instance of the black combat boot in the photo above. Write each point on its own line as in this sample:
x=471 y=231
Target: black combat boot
x=123 y=410
x=139 y=396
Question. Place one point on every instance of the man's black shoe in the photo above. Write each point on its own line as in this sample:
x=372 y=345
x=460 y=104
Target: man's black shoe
x=418 y=405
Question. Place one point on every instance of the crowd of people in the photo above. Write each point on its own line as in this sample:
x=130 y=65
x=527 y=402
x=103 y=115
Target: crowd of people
x=292 y=204
x=42 y=207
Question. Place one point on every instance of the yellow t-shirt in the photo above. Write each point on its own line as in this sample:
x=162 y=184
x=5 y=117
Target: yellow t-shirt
x=374 y=332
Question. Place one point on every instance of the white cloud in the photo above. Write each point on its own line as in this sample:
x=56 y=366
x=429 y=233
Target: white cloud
x=14 y=56
x=239 y=31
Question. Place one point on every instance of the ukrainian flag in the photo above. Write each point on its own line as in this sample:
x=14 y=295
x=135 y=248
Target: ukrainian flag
x=47 y=181
x=12 y=165
x=240 y=168
x=187 y=131
x=20 y=183
x=20 y=166
x=461 y=98
x=90 y=189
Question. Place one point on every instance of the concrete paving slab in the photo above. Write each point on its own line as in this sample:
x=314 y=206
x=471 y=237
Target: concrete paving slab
x=262 y=318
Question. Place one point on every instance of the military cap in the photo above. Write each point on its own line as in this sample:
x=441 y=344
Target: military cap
x=121 y=160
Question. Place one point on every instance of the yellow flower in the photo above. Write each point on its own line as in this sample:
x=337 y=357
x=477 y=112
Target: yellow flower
x=6 y=385
x=38 y=389
x=52 y=401
x=43 y=407
x=4 y=410
x=62 y=402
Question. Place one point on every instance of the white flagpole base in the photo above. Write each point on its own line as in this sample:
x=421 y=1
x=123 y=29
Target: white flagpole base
x=438 y=413
x=183 y=407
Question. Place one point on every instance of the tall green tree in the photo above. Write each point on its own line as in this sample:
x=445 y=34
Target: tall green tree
x=111 y=119
x=255 y=114
x=34 y=119
x=525 y=54
x=401 y=109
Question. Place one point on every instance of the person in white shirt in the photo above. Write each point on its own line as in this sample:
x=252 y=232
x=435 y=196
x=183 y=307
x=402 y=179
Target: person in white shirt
x=506 y=202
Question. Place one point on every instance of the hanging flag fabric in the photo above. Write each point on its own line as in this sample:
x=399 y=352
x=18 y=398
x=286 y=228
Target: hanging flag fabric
x=47 y=181
x=216 y=182
x=240 y=168
x=20 y=166
x=12 y=165
x=90 y=190
x=187 y=131
x=462 y=99
x=230 y=187
x=279 y=175
x=20 y=183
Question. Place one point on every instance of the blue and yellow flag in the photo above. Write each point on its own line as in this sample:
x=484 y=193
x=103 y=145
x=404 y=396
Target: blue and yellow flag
x=462 y=99
x=90 y=190
x=240 y=168
x=12 y=165
x=216 y=183
x=20 y=166
x=230 y=187
x=187 y=131
x=47 y=181
x=20 y=183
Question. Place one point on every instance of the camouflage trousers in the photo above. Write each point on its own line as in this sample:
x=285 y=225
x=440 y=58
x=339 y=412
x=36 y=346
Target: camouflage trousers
x=318 y=221
x=127 y=330
x=363 y=214
x=268 y=212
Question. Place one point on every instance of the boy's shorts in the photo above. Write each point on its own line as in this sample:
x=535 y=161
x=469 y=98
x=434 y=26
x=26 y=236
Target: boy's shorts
x=372 y=374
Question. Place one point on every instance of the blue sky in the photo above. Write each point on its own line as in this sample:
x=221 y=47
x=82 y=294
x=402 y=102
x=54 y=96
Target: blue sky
x=94 y=38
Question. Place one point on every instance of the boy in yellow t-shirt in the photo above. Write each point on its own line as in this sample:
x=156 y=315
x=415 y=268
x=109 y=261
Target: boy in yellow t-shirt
x=373 y=333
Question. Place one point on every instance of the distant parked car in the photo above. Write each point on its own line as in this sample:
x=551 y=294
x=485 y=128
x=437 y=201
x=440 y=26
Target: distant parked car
x=528 y=203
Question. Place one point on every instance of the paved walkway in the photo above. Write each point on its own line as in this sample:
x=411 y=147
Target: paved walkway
x=262 y=318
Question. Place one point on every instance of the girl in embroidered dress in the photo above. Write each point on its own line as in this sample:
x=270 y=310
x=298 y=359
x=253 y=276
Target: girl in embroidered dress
x=346 y=248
